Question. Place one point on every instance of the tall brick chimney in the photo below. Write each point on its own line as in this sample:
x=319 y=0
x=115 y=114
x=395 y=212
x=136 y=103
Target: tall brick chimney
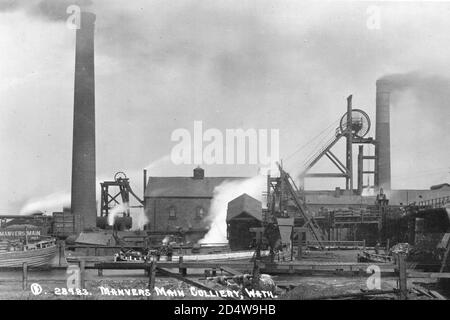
x=383 y=136
x=83 y=200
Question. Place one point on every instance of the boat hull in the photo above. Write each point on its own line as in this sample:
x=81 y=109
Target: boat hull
x=228 y=256
x=33 y=258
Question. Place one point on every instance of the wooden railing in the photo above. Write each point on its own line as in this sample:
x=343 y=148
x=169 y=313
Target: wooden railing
x=434 y=203
x=335 y=244
x=40 y=245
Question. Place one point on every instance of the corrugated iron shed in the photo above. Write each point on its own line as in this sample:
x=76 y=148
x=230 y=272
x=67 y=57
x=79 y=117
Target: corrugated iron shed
x=96 y=238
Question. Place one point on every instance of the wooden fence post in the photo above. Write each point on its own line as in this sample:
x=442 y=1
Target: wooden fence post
x=147 y=268
x=299 y=247
x=25 y=276
x=60 y=253
x=151 y=275
x=402 y=276
x=82 y=273
x=181 y=270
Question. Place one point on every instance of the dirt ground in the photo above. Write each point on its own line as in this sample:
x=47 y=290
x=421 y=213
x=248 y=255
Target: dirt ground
x=118 y=284
x=317 y=287
x=304 y=288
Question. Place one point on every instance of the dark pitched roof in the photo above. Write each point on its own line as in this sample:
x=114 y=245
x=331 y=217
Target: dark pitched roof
x=439 y=186
x=244 y=204
x=184 y=186
x=98 y=238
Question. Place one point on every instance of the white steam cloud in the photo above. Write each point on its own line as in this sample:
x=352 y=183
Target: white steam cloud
x=56 y=201
x=224 y=193
x=52 y=202
x=115 y=211
x=159 y=165
x=139 y=220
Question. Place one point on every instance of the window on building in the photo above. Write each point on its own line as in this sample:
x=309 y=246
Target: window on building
x=200 y=213
x=172 y=213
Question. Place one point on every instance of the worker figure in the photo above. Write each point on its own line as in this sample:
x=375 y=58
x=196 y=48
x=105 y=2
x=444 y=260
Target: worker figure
x=377 y=247
x=271 y=254
x=381 y=198
x=169 y=252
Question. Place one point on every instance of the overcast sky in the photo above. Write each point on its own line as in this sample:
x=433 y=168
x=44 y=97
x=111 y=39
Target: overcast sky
x=160 y=65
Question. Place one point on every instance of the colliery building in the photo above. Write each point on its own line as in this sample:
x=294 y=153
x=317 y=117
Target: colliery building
x=181 y=203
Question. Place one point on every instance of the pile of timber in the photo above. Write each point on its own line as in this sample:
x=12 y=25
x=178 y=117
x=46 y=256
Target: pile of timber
x=366 y=256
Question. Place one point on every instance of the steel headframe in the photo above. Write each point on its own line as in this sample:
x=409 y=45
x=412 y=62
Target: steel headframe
x=345 y=170
x=123 y=193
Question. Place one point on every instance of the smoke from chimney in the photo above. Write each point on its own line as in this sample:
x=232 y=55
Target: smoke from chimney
x=53 y=10
x=429 y=92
